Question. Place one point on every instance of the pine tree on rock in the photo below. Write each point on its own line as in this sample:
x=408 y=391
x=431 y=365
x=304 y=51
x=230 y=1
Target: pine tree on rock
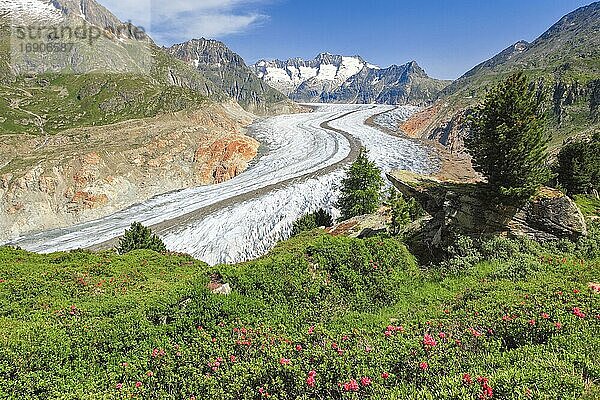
x=361 y=188
x=507 y=140
x=139 y=237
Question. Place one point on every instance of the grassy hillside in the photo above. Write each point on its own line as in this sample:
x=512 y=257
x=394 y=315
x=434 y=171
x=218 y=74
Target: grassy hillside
x=319 y=317
x=563 y=65
x=109 y=82
x=48 y=104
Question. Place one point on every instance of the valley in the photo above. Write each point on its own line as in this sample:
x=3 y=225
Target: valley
x=301 y=160
x=195 y=206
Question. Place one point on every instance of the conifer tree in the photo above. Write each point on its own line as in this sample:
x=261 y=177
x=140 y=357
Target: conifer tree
x=507 y=139
x=140 y=237
x=312 y=221
x=361 y=188
x=400 y=213
x=579 y=166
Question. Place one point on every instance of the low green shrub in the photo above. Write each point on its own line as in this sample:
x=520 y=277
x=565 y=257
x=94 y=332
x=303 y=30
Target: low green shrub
x=462 y=255
x=319 y=317
x=500 y=248
x=312 y=221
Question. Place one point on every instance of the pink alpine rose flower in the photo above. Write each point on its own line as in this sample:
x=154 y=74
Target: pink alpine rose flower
x=351 y=386
x=429 y=341
x=578 y=313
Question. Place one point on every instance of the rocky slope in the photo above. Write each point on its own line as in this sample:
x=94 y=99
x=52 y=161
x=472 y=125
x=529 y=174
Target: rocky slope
x=339 y=79
x=563 y=63
x=113 y=122
x=228 y=71
x=83 y=174
x=120 y=74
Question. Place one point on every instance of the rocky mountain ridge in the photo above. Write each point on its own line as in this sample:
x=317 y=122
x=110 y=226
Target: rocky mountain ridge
x=228 y=71
x=564 y=66
x=332 y=78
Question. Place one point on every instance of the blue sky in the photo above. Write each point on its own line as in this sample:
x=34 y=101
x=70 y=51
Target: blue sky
x=445 y=37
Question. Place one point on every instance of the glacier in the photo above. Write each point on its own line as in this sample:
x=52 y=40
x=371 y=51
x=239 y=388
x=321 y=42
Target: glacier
x=297 y=171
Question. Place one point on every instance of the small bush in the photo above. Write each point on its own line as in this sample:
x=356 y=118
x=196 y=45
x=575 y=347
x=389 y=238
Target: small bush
x=139 y=237
x=463 y=254
x=500 y=248
x=579 y=166
x=517 y=267
x=312 y=221
x=403 y=211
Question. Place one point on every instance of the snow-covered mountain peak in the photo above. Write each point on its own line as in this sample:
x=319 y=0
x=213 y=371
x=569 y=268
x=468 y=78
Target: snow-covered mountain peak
x=59 y=11
x=330 y=78
x=327 y=68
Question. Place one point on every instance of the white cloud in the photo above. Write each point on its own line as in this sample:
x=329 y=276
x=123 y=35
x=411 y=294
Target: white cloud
x=180 y=20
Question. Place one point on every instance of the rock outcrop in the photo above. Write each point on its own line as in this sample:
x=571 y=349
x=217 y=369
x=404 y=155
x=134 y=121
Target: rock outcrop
x=362 y=226
x=466 y=209
x=83 y=174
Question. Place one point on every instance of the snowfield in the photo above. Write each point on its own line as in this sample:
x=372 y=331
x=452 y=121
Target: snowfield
x=297 y=172
x=31 y=11
x=286 y=77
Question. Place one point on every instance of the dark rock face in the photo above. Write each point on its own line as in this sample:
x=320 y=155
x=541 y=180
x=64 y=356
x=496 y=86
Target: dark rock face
x=227 y=71
x=595 y=100
x=463 y=208
x=405 y=84
x=452 y=133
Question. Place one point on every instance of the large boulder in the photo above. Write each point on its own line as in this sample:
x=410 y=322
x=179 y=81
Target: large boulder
x=467 y=208
x=362 y=226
